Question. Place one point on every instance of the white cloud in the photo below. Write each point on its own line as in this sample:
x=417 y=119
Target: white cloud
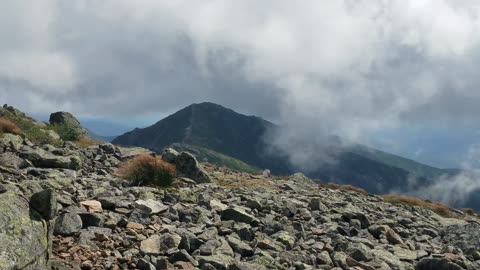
x=453 y=190
x=49 y=71
x=317 y=67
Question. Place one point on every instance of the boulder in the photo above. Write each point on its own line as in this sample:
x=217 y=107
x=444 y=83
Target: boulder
x=45 y=203
x=464 y=236
x=92 y=206
x=43 y=159
x=11 y=141
x=317 y=205
x=68 y=120
x=11 y=161
x=151 y=206
x=238 y=214
x=108 y=148
x=68 y=224
x=23 y=235
x=187 y=166
x=170 y=155
x=436 y=264
x=151 y=246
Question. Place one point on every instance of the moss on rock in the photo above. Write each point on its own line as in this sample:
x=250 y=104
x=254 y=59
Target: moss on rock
x=23 y=235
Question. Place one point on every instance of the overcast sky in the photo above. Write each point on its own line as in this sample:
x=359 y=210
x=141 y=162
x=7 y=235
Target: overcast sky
x=401 y=75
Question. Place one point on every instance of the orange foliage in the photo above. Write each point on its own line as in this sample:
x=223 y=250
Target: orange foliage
x=343 y=187
x=7 y=126
x=436 y=207
x=147 y=170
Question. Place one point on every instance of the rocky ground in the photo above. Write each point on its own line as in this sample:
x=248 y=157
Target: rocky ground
x=64 y=208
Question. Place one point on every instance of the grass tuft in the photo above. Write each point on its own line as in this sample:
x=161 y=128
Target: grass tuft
x=147 y=170
x=436 y=207
x=343 y=187
x=8 y=126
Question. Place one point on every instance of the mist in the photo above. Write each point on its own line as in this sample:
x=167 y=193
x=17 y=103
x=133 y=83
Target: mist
x=456 y=189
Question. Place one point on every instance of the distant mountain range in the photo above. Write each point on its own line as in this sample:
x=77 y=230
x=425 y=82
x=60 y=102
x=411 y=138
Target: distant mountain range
x=209 y=127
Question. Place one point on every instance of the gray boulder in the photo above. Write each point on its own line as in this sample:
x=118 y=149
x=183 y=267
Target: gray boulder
x=463 y=236
x=68 y=224
x=23 y=235
x=68 y=120
x=187 y=166
x=436 y=264
x=11 y=141
x=170 y=155
x=45 y=203
x=43 y=159
x=239 y=215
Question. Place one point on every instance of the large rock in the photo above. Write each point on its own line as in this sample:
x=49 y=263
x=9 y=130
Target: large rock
x=463 y=236
x=11 y=141
x=436 y=264
x=151 y=206
x=68 y=120
x=187 y=166
x=170 y=155
x=44 y=159
x=68 y=224
x=151 y=246
x=238 y=214
x=23 y=235
x=12 y=161
x=45 y=203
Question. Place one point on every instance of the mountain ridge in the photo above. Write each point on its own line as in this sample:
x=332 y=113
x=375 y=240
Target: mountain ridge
x=223 y=130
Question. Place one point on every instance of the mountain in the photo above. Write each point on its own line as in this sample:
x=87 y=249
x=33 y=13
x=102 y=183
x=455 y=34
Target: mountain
x=211 y=126
x=214 y=127
x=104 y=128
x=99 y=137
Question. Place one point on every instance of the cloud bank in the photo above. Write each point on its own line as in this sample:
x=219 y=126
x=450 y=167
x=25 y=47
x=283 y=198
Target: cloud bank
x=349 y=67
x=457 y=189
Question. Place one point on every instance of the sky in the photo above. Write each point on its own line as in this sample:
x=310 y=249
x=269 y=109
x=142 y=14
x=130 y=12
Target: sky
x=399 y=75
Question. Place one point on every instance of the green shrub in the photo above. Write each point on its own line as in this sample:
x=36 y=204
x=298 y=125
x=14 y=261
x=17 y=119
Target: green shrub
x=147 y=170
x=66 y=133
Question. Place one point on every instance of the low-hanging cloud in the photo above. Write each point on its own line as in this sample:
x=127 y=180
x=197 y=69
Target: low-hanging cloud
x=317 y=67
x=456 y=189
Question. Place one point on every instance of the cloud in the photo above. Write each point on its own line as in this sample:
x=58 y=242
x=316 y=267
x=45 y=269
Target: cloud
x=456 y=189
x=349 y=67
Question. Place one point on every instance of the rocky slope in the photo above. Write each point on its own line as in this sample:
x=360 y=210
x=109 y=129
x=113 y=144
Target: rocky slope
x=64 y=208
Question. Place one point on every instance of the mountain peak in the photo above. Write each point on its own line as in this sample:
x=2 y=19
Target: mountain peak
x=208 y=125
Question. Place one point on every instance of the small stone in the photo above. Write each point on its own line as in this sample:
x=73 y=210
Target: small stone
x=404 y=254
x=135 y=226
x=92 y=206
x=394 y=238
x=143 y=264
x=437 y=264
x=285 y=238
x=317 y=205
x=220 y=262
x=151 y=206
x=217 y=205
x=151 y=246
x=87 y=265
x=92 y=219
x=239 y=246
x=238 y=214
x=68 y=224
